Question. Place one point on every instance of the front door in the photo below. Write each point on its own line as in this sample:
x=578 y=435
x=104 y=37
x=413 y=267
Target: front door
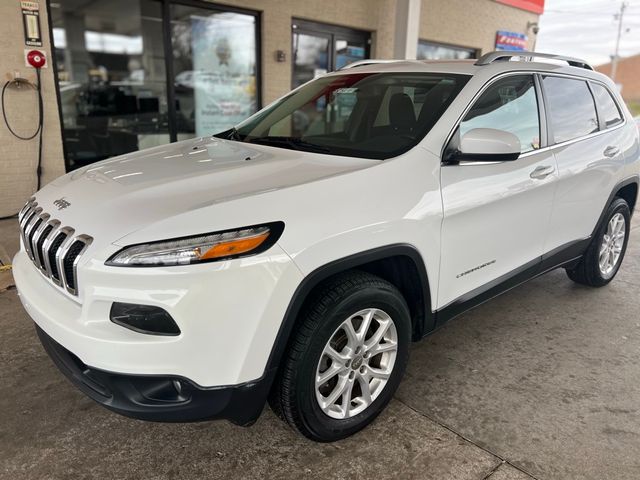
x=496 y=214
x=320 y=48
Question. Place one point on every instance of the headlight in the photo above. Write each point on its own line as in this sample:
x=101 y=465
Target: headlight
x=200 y=248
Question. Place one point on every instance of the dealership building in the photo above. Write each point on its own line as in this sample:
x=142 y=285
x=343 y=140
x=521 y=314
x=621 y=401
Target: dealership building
x=124 y=75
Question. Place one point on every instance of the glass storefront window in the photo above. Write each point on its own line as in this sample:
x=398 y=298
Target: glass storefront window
x=111 y=75
x=112 y=60
x=436 y=51
x=214 y=57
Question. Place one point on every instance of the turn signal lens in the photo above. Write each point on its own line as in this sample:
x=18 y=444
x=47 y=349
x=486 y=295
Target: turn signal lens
x=201 y=248
x=235 y=247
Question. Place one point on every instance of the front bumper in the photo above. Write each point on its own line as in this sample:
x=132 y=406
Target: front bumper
x=160 y=398
x=229 y=314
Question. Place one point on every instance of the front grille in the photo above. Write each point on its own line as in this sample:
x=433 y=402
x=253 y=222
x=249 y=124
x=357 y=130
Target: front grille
x=54 y=249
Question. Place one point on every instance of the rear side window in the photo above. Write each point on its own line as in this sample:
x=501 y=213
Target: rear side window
x=509 y=104
x=572 y=112
x=609 y=111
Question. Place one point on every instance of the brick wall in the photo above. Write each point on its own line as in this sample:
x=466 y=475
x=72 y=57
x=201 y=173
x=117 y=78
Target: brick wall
x=472 y=23
x=628 y=75
x=18 y=158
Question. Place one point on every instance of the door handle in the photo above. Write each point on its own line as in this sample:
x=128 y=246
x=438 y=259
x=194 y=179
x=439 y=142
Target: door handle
x=541 y=172
x=611 y=151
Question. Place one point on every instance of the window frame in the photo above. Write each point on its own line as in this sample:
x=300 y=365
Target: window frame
x=600 y=129
x=550 y=133
x=601 y=122
x=542 y=118
x=545 y=144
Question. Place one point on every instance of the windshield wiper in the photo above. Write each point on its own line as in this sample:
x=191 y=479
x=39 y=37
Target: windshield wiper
x=294 y=143
x=231 y=134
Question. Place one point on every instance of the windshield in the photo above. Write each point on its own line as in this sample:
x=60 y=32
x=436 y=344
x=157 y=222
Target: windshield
x=369 y=115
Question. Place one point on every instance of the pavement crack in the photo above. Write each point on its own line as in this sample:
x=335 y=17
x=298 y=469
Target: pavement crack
x=493 y=470
x=467 y=439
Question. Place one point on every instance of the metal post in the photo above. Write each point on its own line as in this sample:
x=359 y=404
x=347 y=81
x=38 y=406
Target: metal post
x=614 y=62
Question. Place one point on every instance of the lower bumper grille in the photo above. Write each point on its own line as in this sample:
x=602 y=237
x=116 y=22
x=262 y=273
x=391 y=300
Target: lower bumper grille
x=54 y=249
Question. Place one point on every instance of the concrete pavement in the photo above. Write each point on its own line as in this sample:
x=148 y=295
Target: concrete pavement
x=542 y=382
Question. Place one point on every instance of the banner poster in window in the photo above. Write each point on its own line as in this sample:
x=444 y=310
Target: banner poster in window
x=224 y=77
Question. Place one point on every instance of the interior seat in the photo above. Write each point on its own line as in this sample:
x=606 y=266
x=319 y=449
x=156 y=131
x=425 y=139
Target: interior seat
x=402 y=116
x=432 y=106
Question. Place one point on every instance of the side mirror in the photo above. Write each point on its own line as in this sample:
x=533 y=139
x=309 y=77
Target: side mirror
x=488 y=145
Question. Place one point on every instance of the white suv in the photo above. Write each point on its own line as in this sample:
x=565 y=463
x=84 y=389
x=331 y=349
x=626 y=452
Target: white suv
x=294 y=257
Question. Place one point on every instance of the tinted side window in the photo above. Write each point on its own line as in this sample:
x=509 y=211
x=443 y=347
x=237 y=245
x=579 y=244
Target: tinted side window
x=571 y=109
x=509 y=104
x=608 y=109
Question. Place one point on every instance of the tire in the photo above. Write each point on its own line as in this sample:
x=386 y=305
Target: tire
x=348 y=297
x=590 y=271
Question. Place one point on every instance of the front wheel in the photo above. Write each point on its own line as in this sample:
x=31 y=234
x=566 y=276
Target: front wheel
x=604 y=256
x=346 y=359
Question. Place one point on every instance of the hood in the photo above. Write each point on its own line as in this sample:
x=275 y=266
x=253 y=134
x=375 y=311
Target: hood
x=116 y=197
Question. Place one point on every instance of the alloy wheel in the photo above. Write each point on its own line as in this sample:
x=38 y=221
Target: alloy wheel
x=612 y=244
x=356 y=363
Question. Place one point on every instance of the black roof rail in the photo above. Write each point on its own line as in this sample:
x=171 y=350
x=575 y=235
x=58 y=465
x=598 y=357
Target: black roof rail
x=503 y=56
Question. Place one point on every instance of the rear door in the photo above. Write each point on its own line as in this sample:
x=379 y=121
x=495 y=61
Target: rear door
x=588 y=147
x=496 y=214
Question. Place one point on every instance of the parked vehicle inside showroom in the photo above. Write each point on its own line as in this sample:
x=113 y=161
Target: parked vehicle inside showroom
x=293 y=258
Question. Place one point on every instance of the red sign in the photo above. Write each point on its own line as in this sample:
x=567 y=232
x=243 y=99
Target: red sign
x=535 y=6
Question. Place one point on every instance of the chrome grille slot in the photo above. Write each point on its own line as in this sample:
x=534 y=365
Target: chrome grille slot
x=28 y=229
x=69 y=262
x=31 y=235
x=46 y=231
x=23 y=211
x=54 y=249
x=38 y=233
x=53 y=244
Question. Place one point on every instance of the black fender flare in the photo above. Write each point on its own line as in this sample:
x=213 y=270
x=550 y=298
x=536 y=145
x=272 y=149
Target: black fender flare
x=313 y=279
x=624 y=183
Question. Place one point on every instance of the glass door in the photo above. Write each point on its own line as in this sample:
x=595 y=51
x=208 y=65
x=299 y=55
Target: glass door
x=320 y=48
x=311 y=56
x=214 y=69
x=349 y=50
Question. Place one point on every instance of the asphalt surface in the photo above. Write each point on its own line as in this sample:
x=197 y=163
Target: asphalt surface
x=542 y=382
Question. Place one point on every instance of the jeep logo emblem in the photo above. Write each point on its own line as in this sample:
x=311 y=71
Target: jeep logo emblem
x=61 y=203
